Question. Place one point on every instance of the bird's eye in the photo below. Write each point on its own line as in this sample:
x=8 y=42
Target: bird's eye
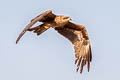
x=65 y=17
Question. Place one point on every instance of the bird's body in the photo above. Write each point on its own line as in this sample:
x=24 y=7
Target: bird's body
x=76 y=33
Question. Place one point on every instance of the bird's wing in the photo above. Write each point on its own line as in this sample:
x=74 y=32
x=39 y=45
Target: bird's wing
x=77 y=34
x=46 y=16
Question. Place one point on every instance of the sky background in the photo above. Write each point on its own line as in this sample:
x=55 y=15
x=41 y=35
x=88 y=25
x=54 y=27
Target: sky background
x=50 y=56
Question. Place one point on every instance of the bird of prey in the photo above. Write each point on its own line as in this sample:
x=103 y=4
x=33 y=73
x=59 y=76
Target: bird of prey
x=76 y=33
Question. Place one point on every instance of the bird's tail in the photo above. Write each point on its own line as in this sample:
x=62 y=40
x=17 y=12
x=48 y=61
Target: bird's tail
x=39 y=29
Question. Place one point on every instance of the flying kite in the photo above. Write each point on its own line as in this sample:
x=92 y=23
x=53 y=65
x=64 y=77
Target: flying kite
x=76 y=33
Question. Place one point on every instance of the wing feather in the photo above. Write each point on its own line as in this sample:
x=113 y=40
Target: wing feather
x=42 y=17
x=78 y=35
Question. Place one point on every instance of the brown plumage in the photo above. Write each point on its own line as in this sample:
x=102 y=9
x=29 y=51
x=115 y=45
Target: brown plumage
x=76 y=33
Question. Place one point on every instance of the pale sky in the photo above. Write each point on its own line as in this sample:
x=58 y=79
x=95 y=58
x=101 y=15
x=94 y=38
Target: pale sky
x=50 y=56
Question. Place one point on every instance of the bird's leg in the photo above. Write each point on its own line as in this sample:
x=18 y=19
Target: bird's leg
x=39 y=29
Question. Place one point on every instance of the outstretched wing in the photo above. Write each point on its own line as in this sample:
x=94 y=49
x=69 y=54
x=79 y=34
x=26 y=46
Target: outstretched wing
x=77 y=34
x=44 y=17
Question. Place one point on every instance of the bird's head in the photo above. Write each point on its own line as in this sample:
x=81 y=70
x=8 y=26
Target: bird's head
x=66 y=18
x=62 y=20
